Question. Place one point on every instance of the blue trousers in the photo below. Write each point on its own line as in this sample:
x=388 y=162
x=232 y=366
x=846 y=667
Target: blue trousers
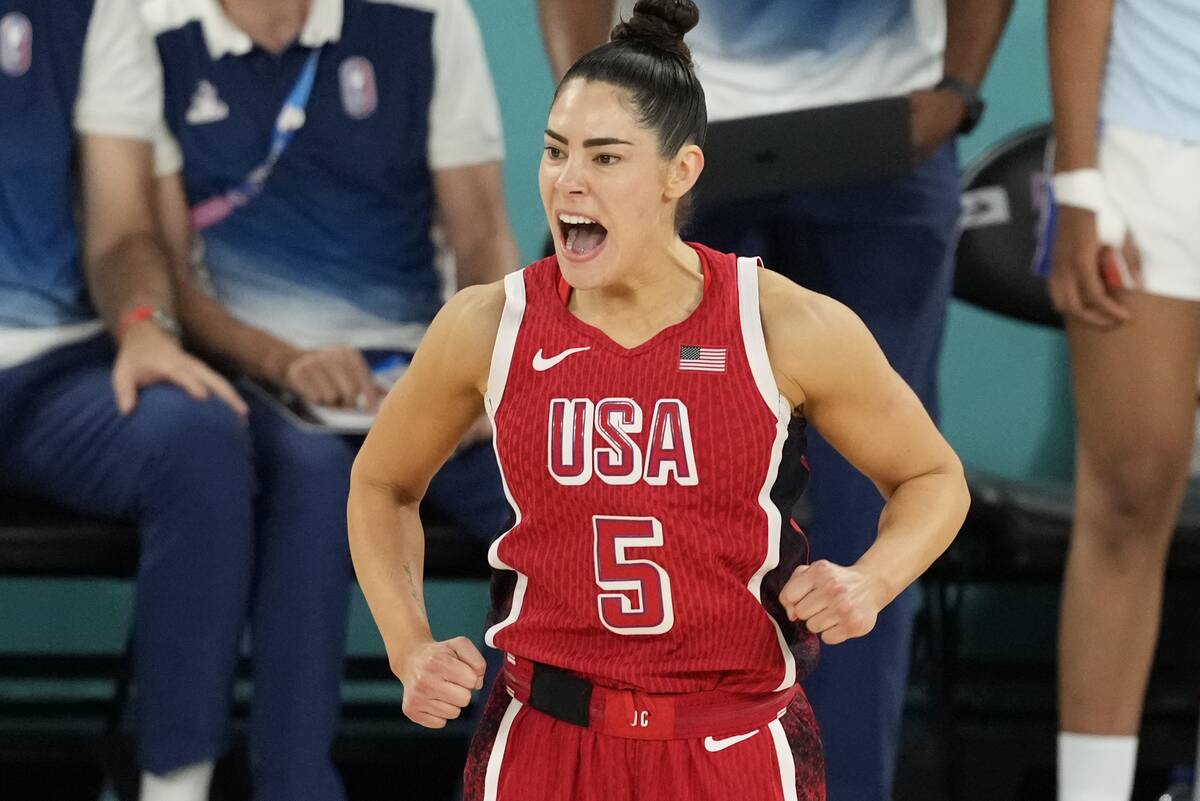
x=883 y=250
x=239 y=523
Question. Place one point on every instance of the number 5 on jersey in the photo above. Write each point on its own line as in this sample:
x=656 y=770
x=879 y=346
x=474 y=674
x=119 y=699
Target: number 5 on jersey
x=636 y=593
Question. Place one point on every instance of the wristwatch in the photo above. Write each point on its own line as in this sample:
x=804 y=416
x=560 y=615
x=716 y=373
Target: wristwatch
x=167 y=323
x=970 y=97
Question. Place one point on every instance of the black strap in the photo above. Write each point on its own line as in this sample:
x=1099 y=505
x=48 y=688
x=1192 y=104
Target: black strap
x=560 y=694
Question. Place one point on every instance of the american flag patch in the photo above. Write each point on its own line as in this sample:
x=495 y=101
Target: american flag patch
x=702 y=360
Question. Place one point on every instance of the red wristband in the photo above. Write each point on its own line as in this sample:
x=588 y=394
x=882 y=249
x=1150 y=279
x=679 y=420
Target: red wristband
x=138 y=315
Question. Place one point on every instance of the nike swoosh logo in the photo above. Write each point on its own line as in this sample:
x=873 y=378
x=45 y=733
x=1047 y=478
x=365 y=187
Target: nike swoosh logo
x=712 y=745
x=541 y=363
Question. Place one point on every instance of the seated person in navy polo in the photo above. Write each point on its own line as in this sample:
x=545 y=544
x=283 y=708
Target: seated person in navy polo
x=313 y=145
x=100 y=409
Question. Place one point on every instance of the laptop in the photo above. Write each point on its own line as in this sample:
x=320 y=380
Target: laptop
x=814 y=148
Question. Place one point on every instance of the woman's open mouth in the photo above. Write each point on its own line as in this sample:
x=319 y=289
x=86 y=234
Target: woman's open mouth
x=581 y=236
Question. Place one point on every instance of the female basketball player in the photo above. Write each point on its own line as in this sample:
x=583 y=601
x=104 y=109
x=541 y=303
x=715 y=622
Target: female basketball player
x=649 y=398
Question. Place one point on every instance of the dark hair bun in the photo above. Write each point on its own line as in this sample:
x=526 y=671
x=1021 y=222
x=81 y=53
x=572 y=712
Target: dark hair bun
x=660 y=24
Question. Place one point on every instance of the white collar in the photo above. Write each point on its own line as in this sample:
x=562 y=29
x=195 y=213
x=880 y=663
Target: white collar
x=324 y=25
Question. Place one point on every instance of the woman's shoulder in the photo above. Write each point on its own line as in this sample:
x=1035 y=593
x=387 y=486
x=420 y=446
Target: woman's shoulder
x=779 y=298
x=811 y=338
x=475 y=310
x=783 y=302
x=479 y=308
x=462 y=335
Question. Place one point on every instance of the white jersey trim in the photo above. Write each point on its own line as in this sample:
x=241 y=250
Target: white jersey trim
x=491 y=781
x=506 y=341
x=752 y=331
x=787 y=763
x=755 y=345
x=506 y=335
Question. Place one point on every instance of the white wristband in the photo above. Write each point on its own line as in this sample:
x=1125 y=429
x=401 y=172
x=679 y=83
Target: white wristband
x=1083 y=189
x=1086 y=189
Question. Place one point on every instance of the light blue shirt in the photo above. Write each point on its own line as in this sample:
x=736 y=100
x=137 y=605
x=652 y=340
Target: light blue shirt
x=1153 y=79
x=770 y=56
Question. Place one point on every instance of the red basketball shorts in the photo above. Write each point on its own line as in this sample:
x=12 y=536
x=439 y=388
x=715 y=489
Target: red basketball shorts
x=520 y=753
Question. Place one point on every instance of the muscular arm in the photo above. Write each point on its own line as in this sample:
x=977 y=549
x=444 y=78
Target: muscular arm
x=570 y=28
x=470 y=202
x=1078 y=34
x=210 y=328
x=418 y=427
x=828 y=363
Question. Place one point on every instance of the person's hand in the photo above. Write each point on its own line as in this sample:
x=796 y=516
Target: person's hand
x=438 y=678
x=834 y=601
x=1079 y=264
x=935 y=115
x=148 y=355
x=334 y=376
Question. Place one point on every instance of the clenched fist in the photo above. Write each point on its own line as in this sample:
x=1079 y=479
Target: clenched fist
x=834 y=601
x=438 y=678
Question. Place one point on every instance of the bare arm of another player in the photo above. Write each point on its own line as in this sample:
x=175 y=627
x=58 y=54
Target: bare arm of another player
x=571 y=28
x=1078 y=33
x=420 y=424
x=827 y=363
x=1078 y=38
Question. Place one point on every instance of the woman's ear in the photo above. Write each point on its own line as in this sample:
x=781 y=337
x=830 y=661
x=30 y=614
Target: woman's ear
x=684 y=171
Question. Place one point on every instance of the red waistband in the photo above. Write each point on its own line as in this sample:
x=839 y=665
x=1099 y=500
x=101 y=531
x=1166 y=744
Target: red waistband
x=648 y=716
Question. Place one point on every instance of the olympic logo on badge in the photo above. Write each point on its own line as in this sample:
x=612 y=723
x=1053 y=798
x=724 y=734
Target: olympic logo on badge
x=16 y=44
x=356 y=78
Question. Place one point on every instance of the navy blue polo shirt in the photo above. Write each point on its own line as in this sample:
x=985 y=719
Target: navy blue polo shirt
x=57 y=64
x=41 y=50
x=337 y=246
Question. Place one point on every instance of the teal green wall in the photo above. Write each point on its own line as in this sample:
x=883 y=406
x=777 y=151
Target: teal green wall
x=522 y=76
x=1006 y=404
x=1005 y=401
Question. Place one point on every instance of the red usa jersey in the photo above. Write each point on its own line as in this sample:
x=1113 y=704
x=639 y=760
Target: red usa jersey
x=651 y=487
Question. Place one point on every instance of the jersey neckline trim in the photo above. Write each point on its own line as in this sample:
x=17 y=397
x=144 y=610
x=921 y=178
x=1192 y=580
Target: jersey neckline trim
x=563 y=294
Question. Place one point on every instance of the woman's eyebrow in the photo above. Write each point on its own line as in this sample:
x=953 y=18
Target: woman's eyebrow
x=599 y=141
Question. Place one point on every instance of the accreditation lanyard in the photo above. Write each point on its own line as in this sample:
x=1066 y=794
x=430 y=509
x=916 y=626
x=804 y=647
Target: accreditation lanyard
x=290 y=119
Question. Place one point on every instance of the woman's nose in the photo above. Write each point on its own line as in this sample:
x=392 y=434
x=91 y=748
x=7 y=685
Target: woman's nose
x=571 y=178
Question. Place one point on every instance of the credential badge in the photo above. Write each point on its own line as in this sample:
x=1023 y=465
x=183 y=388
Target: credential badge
x=16 y=44
x=360 y=97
